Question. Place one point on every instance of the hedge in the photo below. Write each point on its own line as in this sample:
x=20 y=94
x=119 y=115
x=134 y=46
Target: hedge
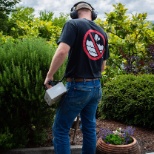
x=24 y=115
x=129 y=99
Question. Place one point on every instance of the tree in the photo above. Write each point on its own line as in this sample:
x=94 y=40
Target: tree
x=23 y=16
x=6 y=7
x=25 y=24
x=46 y=16
x=129 y=40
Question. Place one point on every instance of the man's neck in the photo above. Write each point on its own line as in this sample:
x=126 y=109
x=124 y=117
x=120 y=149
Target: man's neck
x=85 y=17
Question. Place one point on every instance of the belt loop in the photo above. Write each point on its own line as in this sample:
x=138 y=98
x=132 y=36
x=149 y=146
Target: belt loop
x=84 y=80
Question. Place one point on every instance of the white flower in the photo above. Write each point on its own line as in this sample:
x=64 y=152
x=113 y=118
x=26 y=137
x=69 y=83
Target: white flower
x=118 y=131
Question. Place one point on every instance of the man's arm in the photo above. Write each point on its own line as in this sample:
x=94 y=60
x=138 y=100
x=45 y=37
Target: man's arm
x=103 y=65
x=58 y=59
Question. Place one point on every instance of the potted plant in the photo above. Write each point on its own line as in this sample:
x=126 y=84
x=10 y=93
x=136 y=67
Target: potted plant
x=120 y=141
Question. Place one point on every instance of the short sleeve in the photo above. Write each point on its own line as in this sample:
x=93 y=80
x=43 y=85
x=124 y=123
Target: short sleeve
x=68 y=34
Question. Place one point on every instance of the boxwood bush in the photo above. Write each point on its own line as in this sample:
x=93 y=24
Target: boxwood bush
x=24 y=115
x=129 y=99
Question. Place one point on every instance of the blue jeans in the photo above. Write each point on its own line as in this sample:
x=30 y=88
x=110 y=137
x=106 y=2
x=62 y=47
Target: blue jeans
x=81 y=98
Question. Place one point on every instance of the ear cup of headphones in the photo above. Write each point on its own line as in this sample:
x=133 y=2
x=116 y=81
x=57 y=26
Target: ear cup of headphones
x=74 y=14
x=94 y=15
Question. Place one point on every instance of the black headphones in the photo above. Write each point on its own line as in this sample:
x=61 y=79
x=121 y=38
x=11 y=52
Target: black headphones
x=74 y=13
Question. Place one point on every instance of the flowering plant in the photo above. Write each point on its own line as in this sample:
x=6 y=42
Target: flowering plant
x=117 y=137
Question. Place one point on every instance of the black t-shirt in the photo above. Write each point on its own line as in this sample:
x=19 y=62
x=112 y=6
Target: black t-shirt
x=88 y=48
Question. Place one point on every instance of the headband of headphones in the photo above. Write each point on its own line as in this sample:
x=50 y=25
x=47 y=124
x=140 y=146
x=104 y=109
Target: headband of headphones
x=74 y=6
x=74 y=13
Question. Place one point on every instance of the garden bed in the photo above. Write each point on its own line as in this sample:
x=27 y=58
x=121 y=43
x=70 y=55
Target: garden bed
x=144 y=136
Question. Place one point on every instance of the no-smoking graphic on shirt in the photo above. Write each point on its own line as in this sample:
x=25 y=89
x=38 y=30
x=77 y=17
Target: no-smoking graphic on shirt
x=93 y=44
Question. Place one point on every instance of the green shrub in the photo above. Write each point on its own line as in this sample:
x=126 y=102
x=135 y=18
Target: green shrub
x=130 y=99
x=6 y=139
x=23 y=67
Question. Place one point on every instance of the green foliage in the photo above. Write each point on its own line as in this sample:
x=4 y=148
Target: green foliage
x=4 y=39
x=130 y=99
x=23 y=14
x=23 y=24
x=4 y=22
x=57 y=21
x=6 y=6
x=129 y=38
x=60 y=21
x=39 y=136
x=46 y=16
x=47 y=30
x=23 y=67
x=6 y=140
x=114 y=139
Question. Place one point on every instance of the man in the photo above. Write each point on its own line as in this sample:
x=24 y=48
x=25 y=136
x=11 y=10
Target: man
x=86 y=46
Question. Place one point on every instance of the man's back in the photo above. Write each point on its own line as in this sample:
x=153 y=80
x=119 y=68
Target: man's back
x=88 y=44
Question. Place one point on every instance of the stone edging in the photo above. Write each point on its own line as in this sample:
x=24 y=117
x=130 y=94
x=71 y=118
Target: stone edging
x=75 y=149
